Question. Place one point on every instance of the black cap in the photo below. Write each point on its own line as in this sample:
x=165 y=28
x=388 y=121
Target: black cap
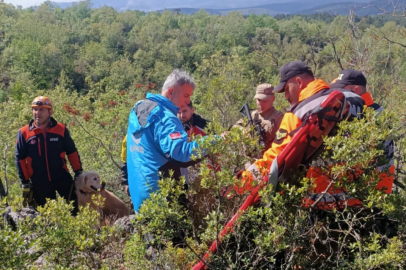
x=349 y=77
x=290 y=70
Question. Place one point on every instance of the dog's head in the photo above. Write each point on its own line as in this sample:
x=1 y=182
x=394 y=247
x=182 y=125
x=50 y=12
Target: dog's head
x=89 y=182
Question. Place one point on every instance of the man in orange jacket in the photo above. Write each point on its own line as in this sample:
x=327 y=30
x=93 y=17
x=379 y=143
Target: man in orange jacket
x=304 y=94
x=42 y=148
x=355 y=81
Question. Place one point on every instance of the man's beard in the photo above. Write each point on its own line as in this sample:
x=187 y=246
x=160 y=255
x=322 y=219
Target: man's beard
x=41 y=121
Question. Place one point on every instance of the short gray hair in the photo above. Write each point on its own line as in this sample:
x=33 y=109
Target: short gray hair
x=177 y=77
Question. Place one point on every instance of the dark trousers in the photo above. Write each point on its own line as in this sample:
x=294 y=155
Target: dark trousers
x=48 y=191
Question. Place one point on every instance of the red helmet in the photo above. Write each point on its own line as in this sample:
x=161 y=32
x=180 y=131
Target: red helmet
x=42 y=101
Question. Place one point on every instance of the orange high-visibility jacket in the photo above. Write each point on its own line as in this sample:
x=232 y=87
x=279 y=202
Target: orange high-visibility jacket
x=337 y=196
x=386 y=182
x=313 y=94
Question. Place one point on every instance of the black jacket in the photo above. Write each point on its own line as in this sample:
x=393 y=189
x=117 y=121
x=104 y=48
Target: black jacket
x=196 y=120
x=41 y=157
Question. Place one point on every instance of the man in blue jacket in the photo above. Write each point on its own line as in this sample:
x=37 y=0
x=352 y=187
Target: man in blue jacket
x=156 y=139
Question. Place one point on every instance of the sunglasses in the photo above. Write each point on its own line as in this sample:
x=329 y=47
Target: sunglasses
x=40 y=103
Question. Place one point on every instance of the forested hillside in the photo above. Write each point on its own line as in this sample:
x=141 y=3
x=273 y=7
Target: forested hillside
x=95 y=64
x=92 y=55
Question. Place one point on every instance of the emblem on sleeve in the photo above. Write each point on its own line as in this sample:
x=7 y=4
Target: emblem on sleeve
x=280 y=135
x=175 y=135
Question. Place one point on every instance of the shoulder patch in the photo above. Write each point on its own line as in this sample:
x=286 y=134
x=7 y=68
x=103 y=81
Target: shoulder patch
x=143 y=110
x=280 y=135
x=175 y=136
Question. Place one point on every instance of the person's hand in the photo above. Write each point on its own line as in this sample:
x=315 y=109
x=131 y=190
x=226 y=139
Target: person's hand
x=127 y=190
x=77 y=173
x=26 y=186
x=224 y=134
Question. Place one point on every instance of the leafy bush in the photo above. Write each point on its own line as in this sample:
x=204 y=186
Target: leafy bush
x=281 y=231
x=96 y=63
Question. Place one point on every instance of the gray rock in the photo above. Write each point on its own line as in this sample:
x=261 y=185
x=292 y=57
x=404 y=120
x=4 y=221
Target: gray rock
x=125 y=224
x=40 y=261
x=14 y=218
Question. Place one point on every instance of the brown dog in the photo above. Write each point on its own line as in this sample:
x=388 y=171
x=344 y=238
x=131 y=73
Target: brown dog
x=89 y=183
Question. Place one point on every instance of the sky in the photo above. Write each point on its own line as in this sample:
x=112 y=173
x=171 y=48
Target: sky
x=150 y=5
x=26 y=3
x=29 y=3
x=158 y=4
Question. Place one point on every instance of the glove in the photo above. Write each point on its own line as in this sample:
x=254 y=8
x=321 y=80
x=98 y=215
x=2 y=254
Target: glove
x=27 y=188
x=77 y=173
x=73 y=186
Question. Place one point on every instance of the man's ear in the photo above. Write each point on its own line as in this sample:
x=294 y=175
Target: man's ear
x=50 y=112
x=170 y=92
x=357 y=90
x=299 y=81
x=193 y=110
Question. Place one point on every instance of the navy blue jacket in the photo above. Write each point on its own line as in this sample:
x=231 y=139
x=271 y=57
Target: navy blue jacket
x=41 y=157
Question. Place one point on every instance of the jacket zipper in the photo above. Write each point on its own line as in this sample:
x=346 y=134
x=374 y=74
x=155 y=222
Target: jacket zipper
x=39 y=146
x=46 y=155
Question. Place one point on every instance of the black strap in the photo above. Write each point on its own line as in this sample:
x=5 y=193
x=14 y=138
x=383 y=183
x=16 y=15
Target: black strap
x=2 y=190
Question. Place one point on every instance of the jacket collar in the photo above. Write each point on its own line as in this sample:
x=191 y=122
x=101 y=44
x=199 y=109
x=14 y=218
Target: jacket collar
x=163 y=101
x=191 y=121
x=312 y=88
x=367 y=97
x=52 y=123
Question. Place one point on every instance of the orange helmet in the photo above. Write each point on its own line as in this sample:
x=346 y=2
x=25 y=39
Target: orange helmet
x=42 y=101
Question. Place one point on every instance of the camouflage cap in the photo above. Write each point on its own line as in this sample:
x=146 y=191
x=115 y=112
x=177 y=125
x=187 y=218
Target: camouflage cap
x=264 y=91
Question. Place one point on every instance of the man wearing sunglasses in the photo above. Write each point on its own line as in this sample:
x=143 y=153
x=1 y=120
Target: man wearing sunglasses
x=41 y=150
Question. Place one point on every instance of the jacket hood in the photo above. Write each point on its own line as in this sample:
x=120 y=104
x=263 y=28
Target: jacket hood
x=312 y=88
x=163 y=101
x=146 y=112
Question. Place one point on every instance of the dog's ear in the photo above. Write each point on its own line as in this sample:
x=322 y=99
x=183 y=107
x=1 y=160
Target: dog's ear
x=80 y=180
x=85 y=180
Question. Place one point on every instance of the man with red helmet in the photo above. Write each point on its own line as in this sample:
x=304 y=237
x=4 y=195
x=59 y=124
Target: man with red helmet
x=40 y=154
